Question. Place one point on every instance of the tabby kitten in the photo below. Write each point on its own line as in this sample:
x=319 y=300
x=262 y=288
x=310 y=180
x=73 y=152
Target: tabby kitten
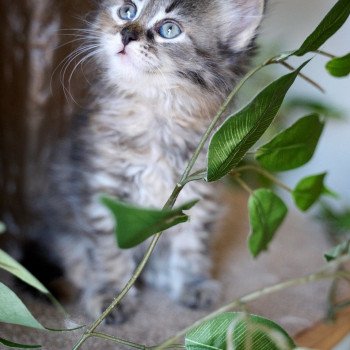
x=164 y=68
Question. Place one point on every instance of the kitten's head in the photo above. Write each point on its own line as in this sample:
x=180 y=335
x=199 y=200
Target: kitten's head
x=175 y=43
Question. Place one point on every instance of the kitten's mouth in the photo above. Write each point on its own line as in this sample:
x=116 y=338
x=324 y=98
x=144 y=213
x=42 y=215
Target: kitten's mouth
x=122 y=52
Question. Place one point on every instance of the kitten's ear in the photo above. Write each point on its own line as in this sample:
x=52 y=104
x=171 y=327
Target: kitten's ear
x=246 y=17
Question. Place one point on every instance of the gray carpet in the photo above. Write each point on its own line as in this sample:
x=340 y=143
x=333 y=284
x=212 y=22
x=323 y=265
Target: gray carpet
x=298 y=250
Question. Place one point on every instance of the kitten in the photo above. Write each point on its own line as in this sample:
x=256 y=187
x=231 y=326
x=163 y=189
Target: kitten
x=163 y=69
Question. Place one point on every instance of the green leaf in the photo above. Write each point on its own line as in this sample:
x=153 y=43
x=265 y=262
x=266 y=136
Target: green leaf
x=338 y=251
x=13 y=311
x=9 y=264
x=135 y=225
x=266 y=212
x=13 y=345
x=308 y=191
x=241 y=131
x=293 y=147
x=241 y=331
x=339 y=222
x=2 y=228
x=340 y=66
x=330 y=193
x=333 y=21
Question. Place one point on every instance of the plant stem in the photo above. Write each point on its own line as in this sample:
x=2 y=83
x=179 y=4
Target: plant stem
x=173 y=346
x=305 y=77
x=197 y=176
x=244 y=185
x=123 y=293
x=315 y=277
x=326 y=54
x=118 y=341
x=89 y=333
x=170 y=203
x=264 y=173
x=218 y=116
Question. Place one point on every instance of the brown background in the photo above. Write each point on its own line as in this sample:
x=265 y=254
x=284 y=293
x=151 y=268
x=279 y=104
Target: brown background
x=31 y=115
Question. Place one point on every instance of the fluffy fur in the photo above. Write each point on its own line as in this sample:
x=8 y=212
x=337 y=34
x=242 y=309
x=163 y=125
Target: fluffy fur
x=152 y=100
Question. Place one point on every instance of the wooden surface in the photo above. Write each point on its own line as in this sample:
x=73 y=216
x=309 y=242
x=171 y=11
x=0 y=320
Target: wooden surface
x=325 y=336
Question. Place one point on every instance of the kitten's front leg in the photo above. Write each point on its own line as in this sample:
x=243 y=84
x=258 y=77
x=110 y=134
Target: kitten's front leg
x=186 y=269
x=190 y=260
x=102 y=270
x=111 y=272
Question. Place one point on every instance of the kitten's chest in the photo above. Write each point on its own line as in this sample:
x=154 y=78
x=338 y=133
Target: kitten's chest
x=139 y=150
x=142 y=132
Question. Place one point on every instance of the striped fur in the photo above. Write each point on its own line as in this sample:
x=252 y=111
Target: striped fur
x=150 y=106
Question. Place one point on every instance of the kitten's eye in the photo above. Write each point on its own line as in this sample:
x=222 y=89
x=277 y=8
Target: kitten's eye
x=169 y=30
x=127 y=12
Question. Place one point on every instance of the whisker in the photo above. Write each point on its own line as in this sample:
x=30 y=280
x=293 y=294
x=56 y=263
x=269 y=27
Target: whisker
x=86 y=22
x=83 y=38
x=81 y=35
x=162 y=75
x=84 y=75
x=85 y=30
x=80 y=63
x=78 y=50
x=65 y=63
x=65 y=67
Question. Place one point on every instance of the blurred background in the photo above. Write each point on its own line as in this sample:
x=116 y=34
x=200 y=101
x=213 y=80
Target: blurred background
x=286 y=25
x=34 y=110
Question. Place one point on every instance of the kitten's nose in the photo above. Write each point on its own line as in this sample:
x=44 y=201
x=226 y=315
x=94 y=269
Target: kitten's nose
x=129 y=34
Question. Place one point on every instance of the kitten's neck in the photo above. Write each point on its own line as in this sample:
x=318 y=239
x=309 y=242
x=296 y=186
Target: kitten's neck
x=170 y=103
x=174 y=120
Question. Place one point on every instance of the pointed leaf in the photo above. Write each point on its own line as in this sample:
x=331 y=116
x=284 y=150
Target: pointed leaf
x=267 y=212
x=338 y=251
x=339 y=222
x=340 y=66
x=308 y=191
x=9 y=264
x=13 y=311
x=293 y=147
x=243 y=331
x=333 y=21
x=135 y=225
x=241 y=131
x=13 y=345
x=330 y=193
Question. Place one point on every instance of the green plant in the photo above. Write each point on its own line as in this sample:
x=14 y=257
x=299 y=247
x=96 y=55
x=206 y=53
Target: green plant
x=12 y=309
x=228 y=147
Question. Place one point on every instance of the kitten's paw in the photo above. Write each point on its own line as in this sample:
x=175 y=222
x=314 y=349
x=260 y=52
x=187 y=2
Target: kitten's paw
x=99 y=301
x=200 y=294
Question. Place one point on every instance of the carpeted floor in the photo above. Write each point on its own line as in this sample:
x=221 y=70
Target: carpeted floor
x=298 y=250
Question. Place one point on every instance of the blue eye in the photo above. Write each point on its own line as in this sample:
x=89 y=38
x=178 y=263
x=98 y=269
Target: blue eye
x=127 y=12
x=169 y=30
